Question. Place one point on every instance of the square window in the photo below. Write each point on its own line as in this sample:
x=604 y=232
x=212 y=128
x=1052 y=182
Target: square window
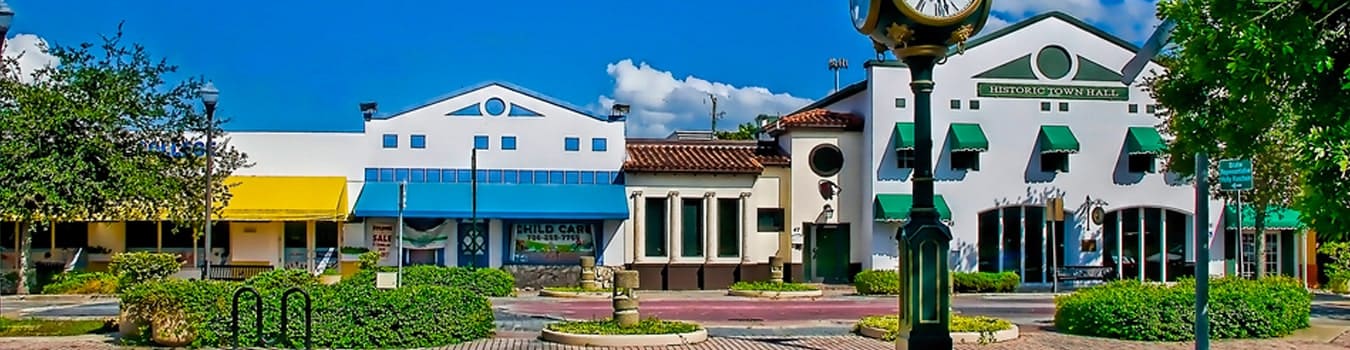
x=770 y=220
x=508 y=142
x=418 y=141
x=372 y=175
x=1142 y=163
x=1134 y=108
x=587 y=177
x=390 y=141
x=400 y=174
x=386 y=174
x=482 y=175
x=572 y=144
x=1151 y=109
x=602 y=177
x=448 y=175
x=956 y=104
x=905 y=159
x=464 y=176
x=494 y=176
x=418 y=175
x=966 y=161
x=541 y=177
x=480 y=142
x=900 y=102
x=974 y=105
x=1045 y=106
x=1055 y=162
x=1063 y=106
x=599 y=144
x=510 y=176
x=571 y=177
x=526 y=176
x=434 y=175
x=555 y=177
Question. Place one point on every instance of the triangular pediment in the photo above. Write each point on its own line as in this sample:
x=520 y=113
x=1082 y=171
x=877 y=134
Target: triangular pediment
x=495 y=100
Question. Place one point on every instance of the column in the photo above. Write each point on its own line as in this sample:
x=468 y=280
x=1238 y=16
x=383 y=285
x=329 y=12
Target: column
x=1022 y=242
x=744 y=234
x=672 y=225
x=638 y=226
x=710 y=232
x=1166 y=251
x=1120 y=244
x=309 y=245
x=1001 y=251
x=1142 y=264
x=159 y=236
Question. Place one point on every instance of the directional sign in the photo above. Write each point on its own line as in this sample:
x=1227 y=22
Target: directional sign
x=1235 y=174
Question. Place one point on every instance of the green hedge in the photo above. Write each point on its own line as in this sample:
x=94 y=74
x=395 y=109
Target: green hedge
x=345 y=316
x=137 y=267
x=887 y=282
x=486 y=281
x=1238 y=308
x=761 y=286
x=82 y=283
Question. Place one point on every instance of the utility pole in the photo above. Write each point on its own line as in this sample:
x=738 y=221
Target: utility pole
x=715 y=114
x=837 y=64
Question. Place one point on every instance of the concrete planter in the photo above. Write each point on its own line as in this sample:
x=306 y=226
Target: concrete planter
x=172 y=331
x=957 y=337
x=776 y=294
x=581 y=295
x=694 y=337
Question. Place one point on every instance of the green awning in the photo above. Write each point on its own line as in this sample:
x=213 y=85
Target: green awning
x=904 y=136
x=895 y=207
x=1058 y=139
x=1144 y=140
x=968 y=137
x=1277 y=218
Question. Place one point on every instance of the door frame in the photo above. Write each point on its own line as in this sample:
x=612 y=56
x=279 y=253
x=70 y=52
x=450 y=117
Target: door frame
x=812 y=242
x=463 y=260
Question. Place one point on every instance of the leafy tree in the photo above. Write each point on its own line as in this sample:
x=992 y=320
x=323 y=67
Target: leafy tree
x=745 y=131
x=1267 y=80
x=75 y=141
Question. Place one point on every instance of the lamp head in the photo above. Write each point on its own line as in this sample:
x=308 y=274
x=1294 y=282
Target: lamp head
x=209 y=95
x=6 y=17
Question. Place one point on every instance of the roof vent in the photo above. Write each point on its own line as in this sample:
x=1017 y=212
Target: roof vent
x=618 y=112
x=368 y=109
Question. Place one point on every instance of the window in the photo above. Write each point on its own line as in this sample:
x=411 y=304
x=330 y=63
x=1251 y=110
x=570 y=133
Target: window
x=418 y=175
x=372 y=175
x=956 y=104
x=1063 y=106
x=143 y=234
x=599 y=144
x=387 y=174
x=555 y=177
x=826 y=160
x=966 y=161
x=418 y=141
x=1055 y=162
x=400 y=174
x=904 y=159
x=974 y=104
x=728 y=227
x=1151 y=108
x=510 y=176
x=691 y=227
x=433 y=175
x=900 y=102
x=73 y=235
x=1134 y=108
x=480 y=142
x=654 y=230
x=390 y=141
x=508 y=142
x=769 y=220
x=572 y=144
x=1142 y=163
x=1045 y=106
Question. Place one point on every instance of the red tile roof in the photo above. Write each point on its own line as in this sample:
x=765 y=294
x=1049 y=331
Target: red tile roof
x=702 y=156
x=817 y=118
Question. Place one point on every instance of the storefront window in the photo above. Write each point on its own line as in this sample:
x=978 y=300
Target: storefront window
x=1012 y=239
x=1033 y=222
x=1163 y=245
x=142 y=235
x=326 y=243
x=8 y=236
x=551 y=243
x=691 y=227
x=654 y=232
x=295 y=246
x=988 y=242
x=728 y=227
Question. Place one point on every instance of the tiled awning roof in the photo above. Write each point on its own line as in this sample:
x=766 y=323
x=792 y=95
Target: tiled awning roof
x=817 y=118
x=701 y=156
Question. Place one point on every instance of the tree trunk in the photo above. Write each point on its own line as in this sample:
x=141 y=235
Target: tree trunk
x=25 y=242
x=1260 y=241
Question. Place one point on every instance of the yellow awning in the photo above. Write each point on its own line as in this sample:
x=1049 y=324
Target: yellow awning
x=286 y=198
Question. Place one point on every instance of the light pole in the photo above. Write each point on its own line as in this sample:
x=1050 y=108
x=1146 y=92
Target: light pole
x=402 y=203
x=6 y=17
x=837 y=64
x=921 y=36
x=209 y=96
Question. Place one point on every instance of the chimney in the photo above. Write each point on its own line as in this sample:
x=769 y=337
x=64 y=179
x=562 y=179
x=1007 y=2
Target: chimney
x=368 y=109
x=618 y=112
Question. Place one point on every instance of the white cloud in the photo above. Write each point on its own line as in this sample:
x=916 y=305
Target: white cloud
x=31 y=53
x=1132 y=20
x=660 y=103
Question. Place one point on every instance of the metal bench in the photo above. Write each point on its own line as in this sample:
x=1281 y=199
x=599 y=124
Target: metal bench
x=1082 y=273
x=236 y=272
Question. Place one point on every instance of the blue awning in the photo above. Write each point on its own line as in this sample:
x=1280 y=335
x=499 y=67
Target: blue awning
x=495 y=201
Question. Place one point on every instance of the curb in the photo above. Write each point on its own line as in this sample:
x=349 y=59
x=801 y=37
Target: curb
x=957 y=337
x=694 y=337
x=577 y=295
x=58 y=297
x=776 y=294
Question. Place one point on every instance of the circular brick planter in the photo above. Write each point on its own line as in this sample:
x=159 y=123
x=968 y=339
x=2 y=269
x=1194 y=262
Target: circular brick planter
x=694 y=337
x=582 y=295
x=776 y=294
x=957 y=337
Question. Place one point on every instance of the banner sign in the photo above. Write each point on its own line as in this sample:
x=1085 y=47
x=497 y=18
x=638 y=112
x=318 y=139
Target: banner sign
x=1060 y=92
x=552 y=243
x=425 y=233
x=381 y=239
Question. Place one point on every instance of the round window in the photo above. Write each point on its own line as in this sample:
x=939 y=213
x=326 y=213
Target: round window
x=826 y=160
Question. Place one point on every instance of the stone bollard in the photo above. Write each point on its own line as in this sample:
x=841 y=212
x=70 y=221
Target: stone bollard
x=588 y=273
x=775 y=269
x=625 y=298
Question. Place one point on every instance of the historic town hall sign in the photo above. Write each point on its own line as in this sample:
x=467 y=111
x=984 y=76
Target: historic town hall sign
x=1053 y=63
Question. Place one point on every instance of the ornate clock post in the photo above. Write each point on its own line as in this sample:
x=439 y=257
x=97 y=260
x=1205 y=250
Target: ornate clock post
x=920 y=32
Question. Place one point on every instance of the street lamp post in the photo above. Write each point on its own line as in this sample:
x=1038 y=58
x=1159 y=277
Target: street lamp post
x=209 y=96
x=921 y=36
x=6 y=17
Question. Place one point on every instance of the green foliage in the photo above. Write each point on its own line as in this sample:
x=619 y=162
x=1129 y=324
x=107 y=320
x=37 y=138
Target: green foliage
x=345 y=316
x=1338 y=268
x=282 y=279
x=877 y=282
x=354 y=250
x=136 y=267
x=1266 y=80
x=82 y=283
x=772 y=287
x=985 y=282
x=1239 y=308
x=609 y=327
x=53 y=328
x=745 y=131
x=368 y=260
x=488 y=282
x=959 y=323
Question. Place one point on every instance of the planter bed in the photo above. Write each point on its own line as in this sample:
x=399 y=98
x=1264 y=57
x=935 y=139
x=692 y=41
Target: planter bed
x=605 y=333
x=774 y=290
x=575 y=292
x=982 y=329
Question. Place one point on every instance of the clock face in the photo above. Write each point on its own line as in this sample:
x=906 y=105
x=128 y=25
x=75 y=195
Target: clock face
x=940 y=8
x=859 y=10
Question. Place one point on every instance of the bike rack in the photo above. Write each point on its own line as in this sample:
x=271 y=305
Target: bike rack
x=258 y=317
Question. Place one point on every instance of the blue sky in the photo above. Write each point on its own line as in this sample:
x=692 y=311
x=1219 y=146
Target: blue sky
x=304 y=65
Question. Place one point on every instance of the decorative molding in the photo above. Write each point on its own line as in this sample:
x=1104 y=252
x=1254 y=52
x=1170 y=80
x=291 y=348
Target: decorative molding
x=709 y=194
x=635 y=194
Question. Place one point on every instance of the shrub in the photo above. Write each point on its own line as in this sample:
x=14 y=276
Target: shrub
x=368 y=260
x=9 y=282
x=1338 y=266
x=52 y=328
x=282 y=279
x=1239 y=308
x=82 y=283
x=877 y=282
x=353 y=250
x=485 y=281
x=985 y=282
x=137 y=267
x=772 y=287
x=962 y=324
x=609 y=327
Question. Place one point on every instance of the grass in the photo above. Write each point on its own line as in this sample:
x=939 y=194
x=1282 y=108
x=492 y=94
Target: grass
x=962 y=324
x=52 y=328
x=773 y=287
x=609 y=327
x=571 y=289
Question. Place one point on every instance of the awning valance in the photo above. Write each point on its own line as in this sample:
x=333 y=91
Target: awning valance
x=286 y=198
x=495 y=201
x=1277 y=218
x=1144 y=140
x=904 y=136
x=967 y=137
x=896 y=207
x=1058 y=139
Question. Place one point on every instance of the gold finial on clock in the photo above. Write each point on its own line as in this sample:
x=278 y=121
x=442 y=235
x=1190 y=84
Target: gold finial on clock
x=900 y=33
x=959 y=37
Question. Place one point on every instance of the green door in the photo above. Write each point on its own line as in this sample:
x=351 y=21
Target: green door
x=831 y=253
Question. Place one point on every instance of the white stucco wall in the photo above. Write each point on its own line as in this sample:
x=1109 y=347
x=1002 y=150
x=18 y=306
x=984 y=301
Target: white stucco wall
x=763 y=193
x=807 y=202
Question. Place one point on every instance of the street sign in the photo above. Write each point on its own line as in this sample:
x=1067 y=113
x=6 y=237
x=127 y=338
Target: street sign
x=1235 y=174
